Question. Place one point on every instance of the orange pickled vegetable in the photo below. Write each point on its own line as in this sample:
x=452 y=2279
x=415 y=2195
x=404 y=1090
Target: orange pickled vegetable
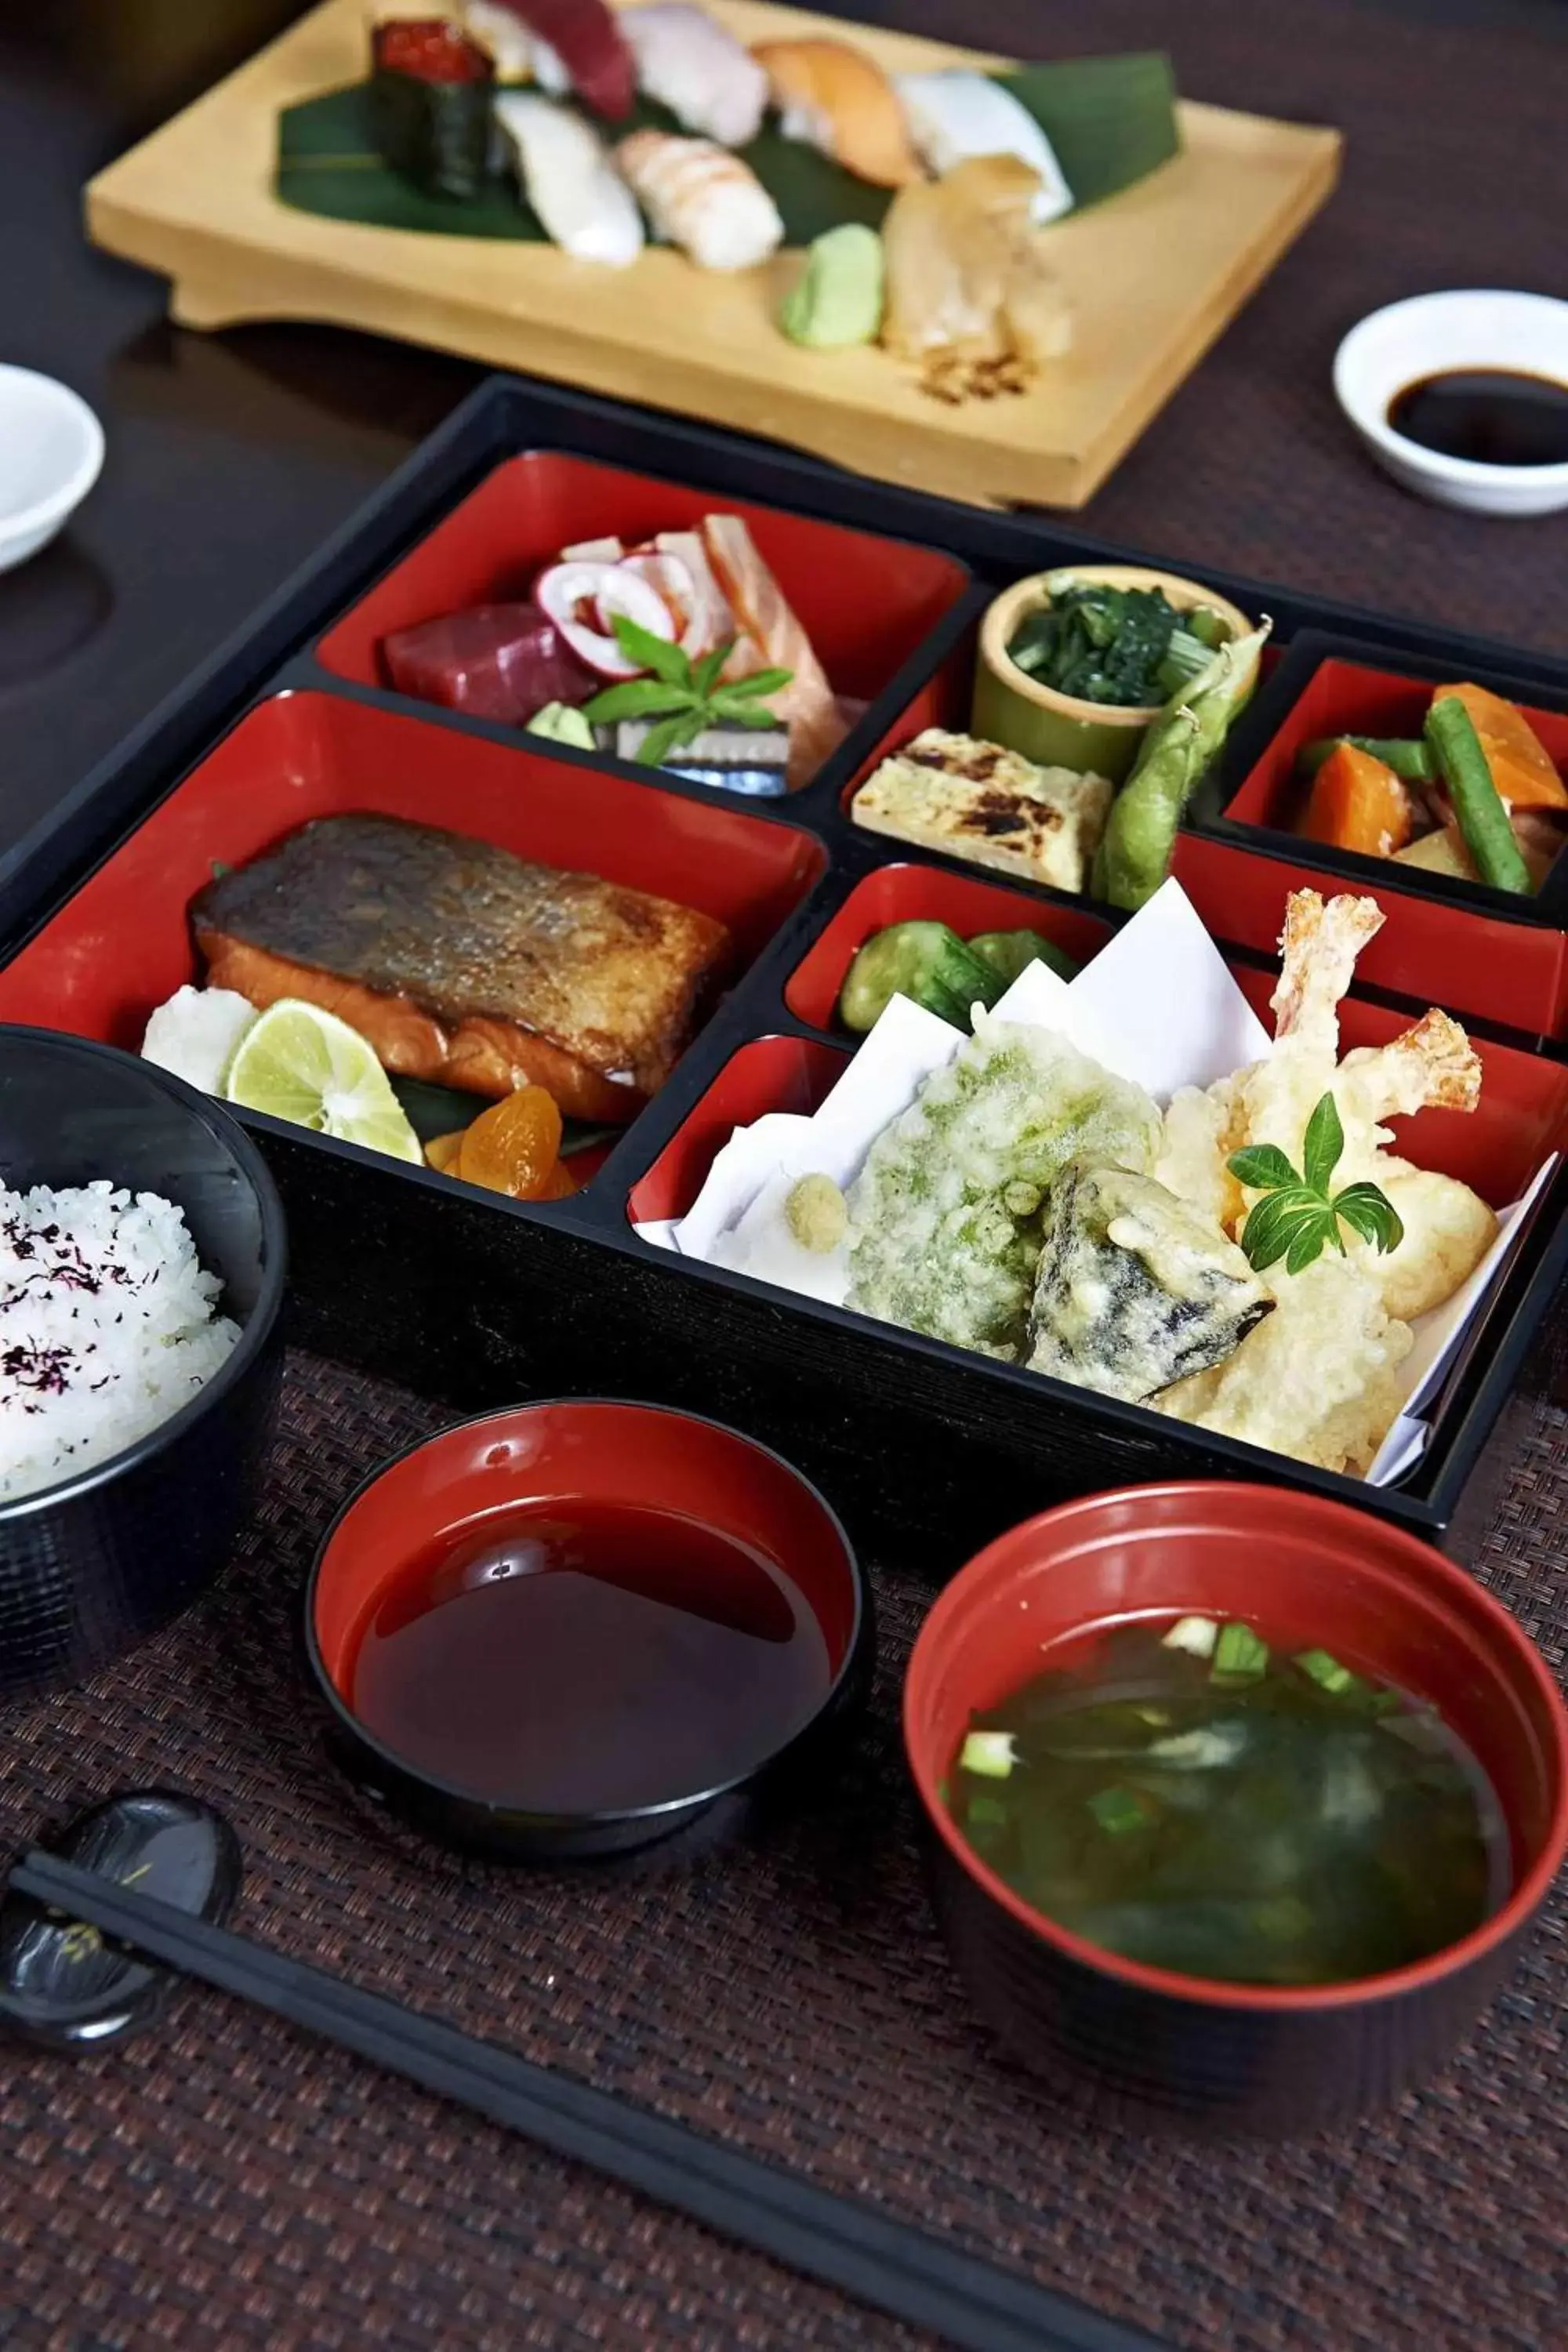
x=559 y=1185
x=1358 y=803
x=513 y=1146
x=441 y=1152
x=1522 y=767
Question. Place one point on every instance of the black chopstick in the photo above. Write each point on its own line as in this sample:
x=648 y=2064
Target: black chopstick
x=841 y=2241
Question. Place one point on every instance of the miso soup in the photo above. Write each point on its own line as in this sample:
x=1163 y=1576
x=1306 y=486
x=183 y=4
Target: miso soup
x=1190 y=1797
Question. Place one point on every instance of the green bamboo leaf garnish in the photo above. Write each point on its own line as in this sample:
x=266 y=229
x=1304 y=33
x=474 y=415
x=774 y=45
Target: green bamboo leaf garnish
x=1298 y=1216
x=682 y=697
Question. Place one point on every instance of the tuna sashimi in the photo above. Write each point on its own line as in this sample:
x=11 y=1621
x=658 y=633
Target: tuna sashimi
x=772 y=637
x=495 y=661
x=464 y=965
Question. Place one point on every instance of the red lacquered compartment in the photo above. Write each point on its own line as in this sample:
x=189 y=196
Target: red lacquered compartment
x=1495 y=1149
x=121 y=943
x=865 y=603
x=1471 y=949
x=910 y=894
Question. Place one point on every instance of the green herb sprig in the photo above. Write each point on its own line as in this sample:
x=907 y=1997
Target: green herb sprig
x=681 y=695
x=1298 y=1216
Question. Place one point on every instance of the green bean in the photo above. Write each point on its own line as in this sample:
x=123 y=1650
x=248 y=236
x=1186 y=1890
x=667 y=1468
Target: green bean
x=1412 y=761
x=1140 y=832
x=1483 y=820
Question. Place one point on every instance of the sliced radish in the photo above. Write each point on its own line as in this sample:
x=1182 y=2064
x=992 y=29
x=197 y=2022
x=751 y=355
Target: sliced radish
x=593 y=550
x=672 y=580
x=581 y=598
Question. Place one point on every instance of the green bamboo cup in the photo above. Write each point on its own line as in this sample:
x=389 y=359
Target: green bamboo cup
x=1058 y=730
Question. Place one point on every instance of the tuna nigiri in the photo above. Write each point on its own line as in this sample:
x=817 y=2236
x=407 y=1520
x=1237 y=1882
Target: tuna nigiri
x=583 y=42
x=835 y=97
x=702 y=199
x=583 y=204
x=773 y=638
x=699 y=70
x=954 y=116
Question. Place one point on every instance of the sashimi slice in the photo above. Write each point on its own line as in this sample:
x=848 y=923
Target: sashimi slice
x=807 y=703
x=713 y=622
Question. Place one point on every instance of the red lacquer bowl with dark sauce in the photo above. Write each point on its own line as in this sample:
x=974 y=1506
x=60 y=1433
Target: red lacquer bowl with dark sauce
x=1117 y=2035
x=573 y=1628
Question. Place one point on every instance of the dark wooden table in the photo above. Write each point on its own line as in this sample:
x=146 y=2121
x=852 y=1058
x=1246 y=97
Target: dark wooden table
x=230 y=458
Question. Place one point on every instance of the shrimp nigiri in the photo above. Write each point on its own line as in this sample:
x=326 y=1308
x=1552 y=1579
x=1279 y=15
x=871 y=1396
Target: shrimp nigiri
x=701 y=199
x=834 y=97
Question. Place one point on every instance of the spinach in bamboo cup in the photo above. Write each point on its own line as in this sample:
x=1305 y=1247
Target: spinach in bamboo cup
x=1135 y=854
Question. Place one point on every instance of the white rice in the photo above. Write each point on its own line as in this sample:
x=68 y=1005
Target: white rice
x=107 y=1327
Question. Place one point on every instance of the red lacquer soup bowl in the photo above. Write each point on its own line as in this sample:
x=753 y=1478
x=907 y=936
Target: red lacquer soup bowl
x=589 y=1725
x=1309 y=1573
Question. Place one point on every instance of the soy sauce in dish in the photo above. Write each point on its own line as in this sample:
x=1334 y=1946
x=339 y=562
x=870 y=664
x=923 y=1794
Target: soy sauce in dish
x=589 y=1657
x=1493 y=416
x=1193 y=1798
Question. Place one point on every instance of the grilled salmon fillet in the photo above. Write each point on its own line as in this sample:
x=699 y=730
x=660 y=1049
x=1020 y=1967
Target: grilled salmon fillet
x=464 y=965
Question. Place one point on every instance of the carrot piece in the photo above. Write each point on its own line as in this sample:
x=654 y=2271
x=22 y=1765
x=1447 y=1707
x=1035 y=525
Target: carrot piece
x=1358 y=803
x=1522 y=767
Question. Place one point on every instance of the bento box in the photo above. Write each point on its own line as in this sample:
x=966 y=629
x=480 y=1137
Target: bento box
x=476 y=1298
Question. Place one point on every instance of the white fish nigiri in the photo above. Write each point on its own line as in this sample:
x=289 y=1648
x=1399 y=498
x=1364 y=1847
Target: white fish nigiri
x=688 y=62
x=701 y=199
x=953 y=117
x=583 y=203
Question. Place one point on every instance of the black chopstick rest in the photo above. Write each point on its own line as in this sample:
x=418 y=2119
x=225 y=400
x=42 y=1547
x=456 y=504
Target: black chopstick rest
x=842 y=2242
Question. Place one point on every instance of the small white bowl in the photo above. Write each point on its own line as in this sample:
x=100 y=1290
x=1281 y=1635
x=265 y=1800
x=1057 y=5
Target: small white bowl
x=1427 y=336
x=51 y=448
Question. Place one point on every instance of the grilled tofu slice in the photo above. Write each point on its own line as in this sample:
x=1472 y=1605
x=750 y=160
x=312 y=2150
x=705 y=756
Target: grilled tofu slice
x=993 y=807
x=464 y=965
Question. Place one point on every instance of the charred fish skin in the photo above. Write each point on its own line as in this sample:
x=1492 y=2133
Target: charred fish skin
x=468 y=932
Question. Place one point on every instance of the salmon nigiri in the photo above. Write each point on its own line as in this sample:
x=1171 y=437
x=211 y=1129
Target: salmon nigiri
x=834 y=97
x=772 y=637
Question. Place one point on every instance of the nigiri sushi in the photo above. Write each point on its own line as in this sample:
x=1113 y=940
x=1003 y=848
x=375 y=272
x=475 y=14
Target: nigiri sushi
x=565 y=170
x=700 y=197
x=971 y=296
x=505 y=36
x=954 y=116
x=834 y=97
x=688 y=62
x=577 y=44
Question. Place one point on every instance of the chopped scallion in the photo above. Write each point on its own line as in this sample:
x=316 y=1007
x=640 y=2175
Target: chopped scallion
x=1238 y=1655
x=991 y=1754
x=1326 y=1671
x=1196 y=1635
x=1117 y=1811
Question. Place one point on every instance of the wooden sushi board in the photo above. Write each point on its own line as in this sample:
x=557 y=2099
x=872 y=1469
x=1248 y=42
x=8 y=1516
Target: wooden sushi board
x=1155 y=275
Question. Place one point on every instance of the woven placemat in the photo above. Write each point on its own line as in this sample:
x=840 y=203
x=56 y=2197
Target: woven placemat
x=222 y=2181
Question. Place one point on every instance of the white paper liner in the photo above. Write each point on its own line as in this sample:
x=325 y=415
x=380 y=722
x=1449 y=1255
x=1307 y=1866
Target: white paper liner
x=1157 y=1005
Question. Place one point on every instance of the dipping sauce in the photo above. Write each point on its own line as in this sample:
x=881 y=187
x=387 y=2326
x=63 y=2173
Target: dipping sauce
x=1197 y=1800
x=1494 y=416
x=589 y=1657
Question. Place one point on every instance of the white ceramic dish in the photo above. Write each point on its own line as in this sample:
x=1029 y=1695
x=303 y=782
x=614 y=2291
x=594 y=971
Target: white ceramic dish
x=1423 y=337
x=51 y=448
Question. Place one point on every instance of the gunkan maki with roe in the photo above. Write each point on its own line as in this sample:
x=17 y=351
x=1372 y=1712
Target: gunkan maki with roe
x=430 y=91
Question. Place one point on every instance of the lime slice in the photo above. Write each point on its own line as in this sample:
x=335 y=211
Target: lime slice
x=308 y=1066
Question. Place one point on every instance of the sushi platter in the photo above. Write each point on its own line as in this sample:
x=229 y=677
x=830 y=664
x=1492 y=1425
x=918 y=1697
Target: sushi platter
x=507 y=1253
x=1128 y=291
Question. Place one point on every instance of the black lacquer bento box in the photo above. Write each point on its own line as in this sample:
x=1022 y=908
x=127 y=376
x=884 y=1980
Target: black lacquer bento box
x=478 y=1300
